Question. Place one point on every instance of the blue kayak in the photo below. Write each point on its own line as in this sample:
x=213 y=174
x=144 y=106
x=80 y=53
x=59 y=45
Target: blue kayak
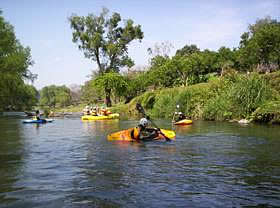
x=38 y=121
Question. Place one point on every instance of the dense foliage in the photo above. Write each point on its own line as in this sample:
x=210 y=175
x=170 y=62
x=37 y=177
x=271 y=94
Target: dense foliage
x=226 y=84
x=55 y=96
x=260 y=46
x=233 y=96
x=14 y=62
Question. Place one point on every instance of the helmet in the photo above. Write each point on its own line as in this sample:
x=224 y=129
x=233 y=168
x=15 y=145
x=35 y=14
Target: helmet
x=143 y=122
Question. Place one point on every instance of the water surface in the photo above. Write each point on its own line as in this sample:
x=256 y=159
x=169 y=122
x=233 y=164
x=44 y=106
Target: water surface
x=69 y=163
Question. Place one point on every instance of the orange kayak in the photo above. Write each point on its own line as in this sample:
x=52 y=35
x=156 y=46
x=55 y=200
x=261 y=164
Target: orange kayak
x=125 y=135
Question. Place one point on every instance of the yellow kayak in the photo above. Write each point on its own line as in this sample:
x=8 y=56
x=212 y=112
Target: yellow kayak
x=91 y=118
x=183 y=122
x=125 y=135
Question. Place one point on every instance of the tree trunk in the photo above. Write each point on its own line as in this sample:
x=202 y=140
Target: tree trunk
x=108 y=97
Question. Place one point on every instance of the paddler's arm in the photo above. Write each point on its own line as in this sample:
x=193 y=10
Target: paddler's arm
x=160 y=132
x=152 y=134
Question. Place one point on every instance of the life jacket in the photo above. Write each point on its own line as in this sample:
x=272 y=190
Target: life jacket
x=135 y=133
x=94 y=113
x=104 y=112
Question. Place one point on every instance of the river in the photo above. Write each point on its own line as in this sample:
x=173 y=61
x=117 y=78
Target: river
x=69 y=163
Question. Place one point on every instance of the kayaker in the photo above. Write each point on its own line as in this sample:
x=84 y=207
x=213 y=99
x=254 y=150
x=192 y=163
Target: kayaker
x=86 y=110
x=180 y=117
x=142 y=132
x=94 y=111
x=37 y=114
x=104 y=111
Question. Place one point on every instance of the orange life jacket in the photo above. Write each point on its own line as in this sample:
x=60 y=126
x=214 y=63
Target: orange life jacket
x=135 y=133
x=104 y=112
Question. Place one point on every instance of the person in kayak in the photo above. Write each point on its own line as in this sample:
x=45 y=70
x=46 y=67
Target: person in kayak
x=143 y=133
x=180 y=117
x=37 y=115
x=93 y=112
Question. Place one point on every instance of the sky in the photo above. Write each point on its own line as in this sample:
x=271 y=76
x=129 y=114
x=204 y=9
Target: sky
x=44 y=27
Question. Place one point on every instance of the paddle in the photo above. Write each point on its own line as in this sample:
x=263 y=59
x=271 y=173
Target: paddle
x=141 y=110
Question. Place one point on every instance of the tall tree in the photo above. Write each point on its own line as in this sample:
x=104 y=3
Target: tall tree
x=14 y=62
x=104 y=40
x=260 y=46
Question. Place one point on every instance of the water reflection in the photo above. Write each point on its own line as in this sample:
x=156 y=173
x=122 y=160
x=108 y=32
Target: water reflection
x=182 y=129
x=100 y=126
x=11 y=159
x=70 y=163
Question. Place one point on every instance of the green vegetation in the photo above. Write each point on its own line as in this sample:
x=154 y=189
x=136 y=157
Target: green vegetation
x=233 y=96
x=15 y=59
x=55 y=96
x=105 y=41
x=226 y=84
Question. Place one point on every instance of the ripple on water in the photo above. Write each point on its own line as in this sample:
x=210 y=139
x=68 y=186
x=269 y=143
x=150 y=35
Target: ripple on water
x=70 y=163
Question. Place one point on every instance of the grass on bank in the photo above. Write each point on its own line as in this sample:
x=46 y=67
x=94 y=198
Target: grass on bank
x=231 y=97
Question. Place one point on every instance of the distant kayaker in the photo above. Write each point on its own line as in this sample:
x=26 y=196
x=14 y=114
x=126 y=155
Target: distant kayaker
x=104 y=111
x=37 y=114
x=180 y=116
x=93 y=111
x=86 y=110
x=142 y=132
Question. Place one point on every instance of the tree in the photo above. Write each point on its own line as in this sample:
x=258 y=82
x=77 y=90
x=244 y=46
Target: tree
x=155 y=73
x=55 y=95
x=111 y=82
x=14 y=62
x=260 y=46
x=105 y=41
x=89 y=92
x=187 y=50
x=28 y=97
x=136 y=84
x=226 y=58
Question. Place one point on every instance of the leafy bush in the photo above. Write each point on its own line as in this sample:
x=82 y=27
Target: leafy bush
x=248 y=93
x=218 y=108
x=164 y=104
x=268 y=112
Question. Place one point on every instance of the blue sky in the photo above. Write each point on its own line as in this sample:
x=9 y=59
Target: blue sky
x=43 y=26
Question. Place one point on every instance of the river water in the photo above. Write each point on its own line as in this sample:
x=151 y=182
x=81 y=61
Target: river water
x=69 y=163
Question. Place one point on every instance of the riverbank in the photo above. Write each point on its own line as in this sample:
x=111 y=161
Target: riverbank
x=233 y=97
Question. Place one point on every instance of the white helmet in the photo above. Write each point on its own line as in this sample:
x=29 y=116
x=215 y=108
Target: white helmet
x=143 y=122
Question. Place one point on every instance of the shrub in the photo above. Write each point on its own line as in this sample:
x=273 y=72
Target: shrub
x=248 y=93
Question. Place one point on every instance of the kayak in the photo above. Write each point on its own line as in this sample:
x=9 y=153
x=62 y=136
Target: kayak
x=38 y=121
x=125 y=135
x=110 y=116
x=183 y=122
